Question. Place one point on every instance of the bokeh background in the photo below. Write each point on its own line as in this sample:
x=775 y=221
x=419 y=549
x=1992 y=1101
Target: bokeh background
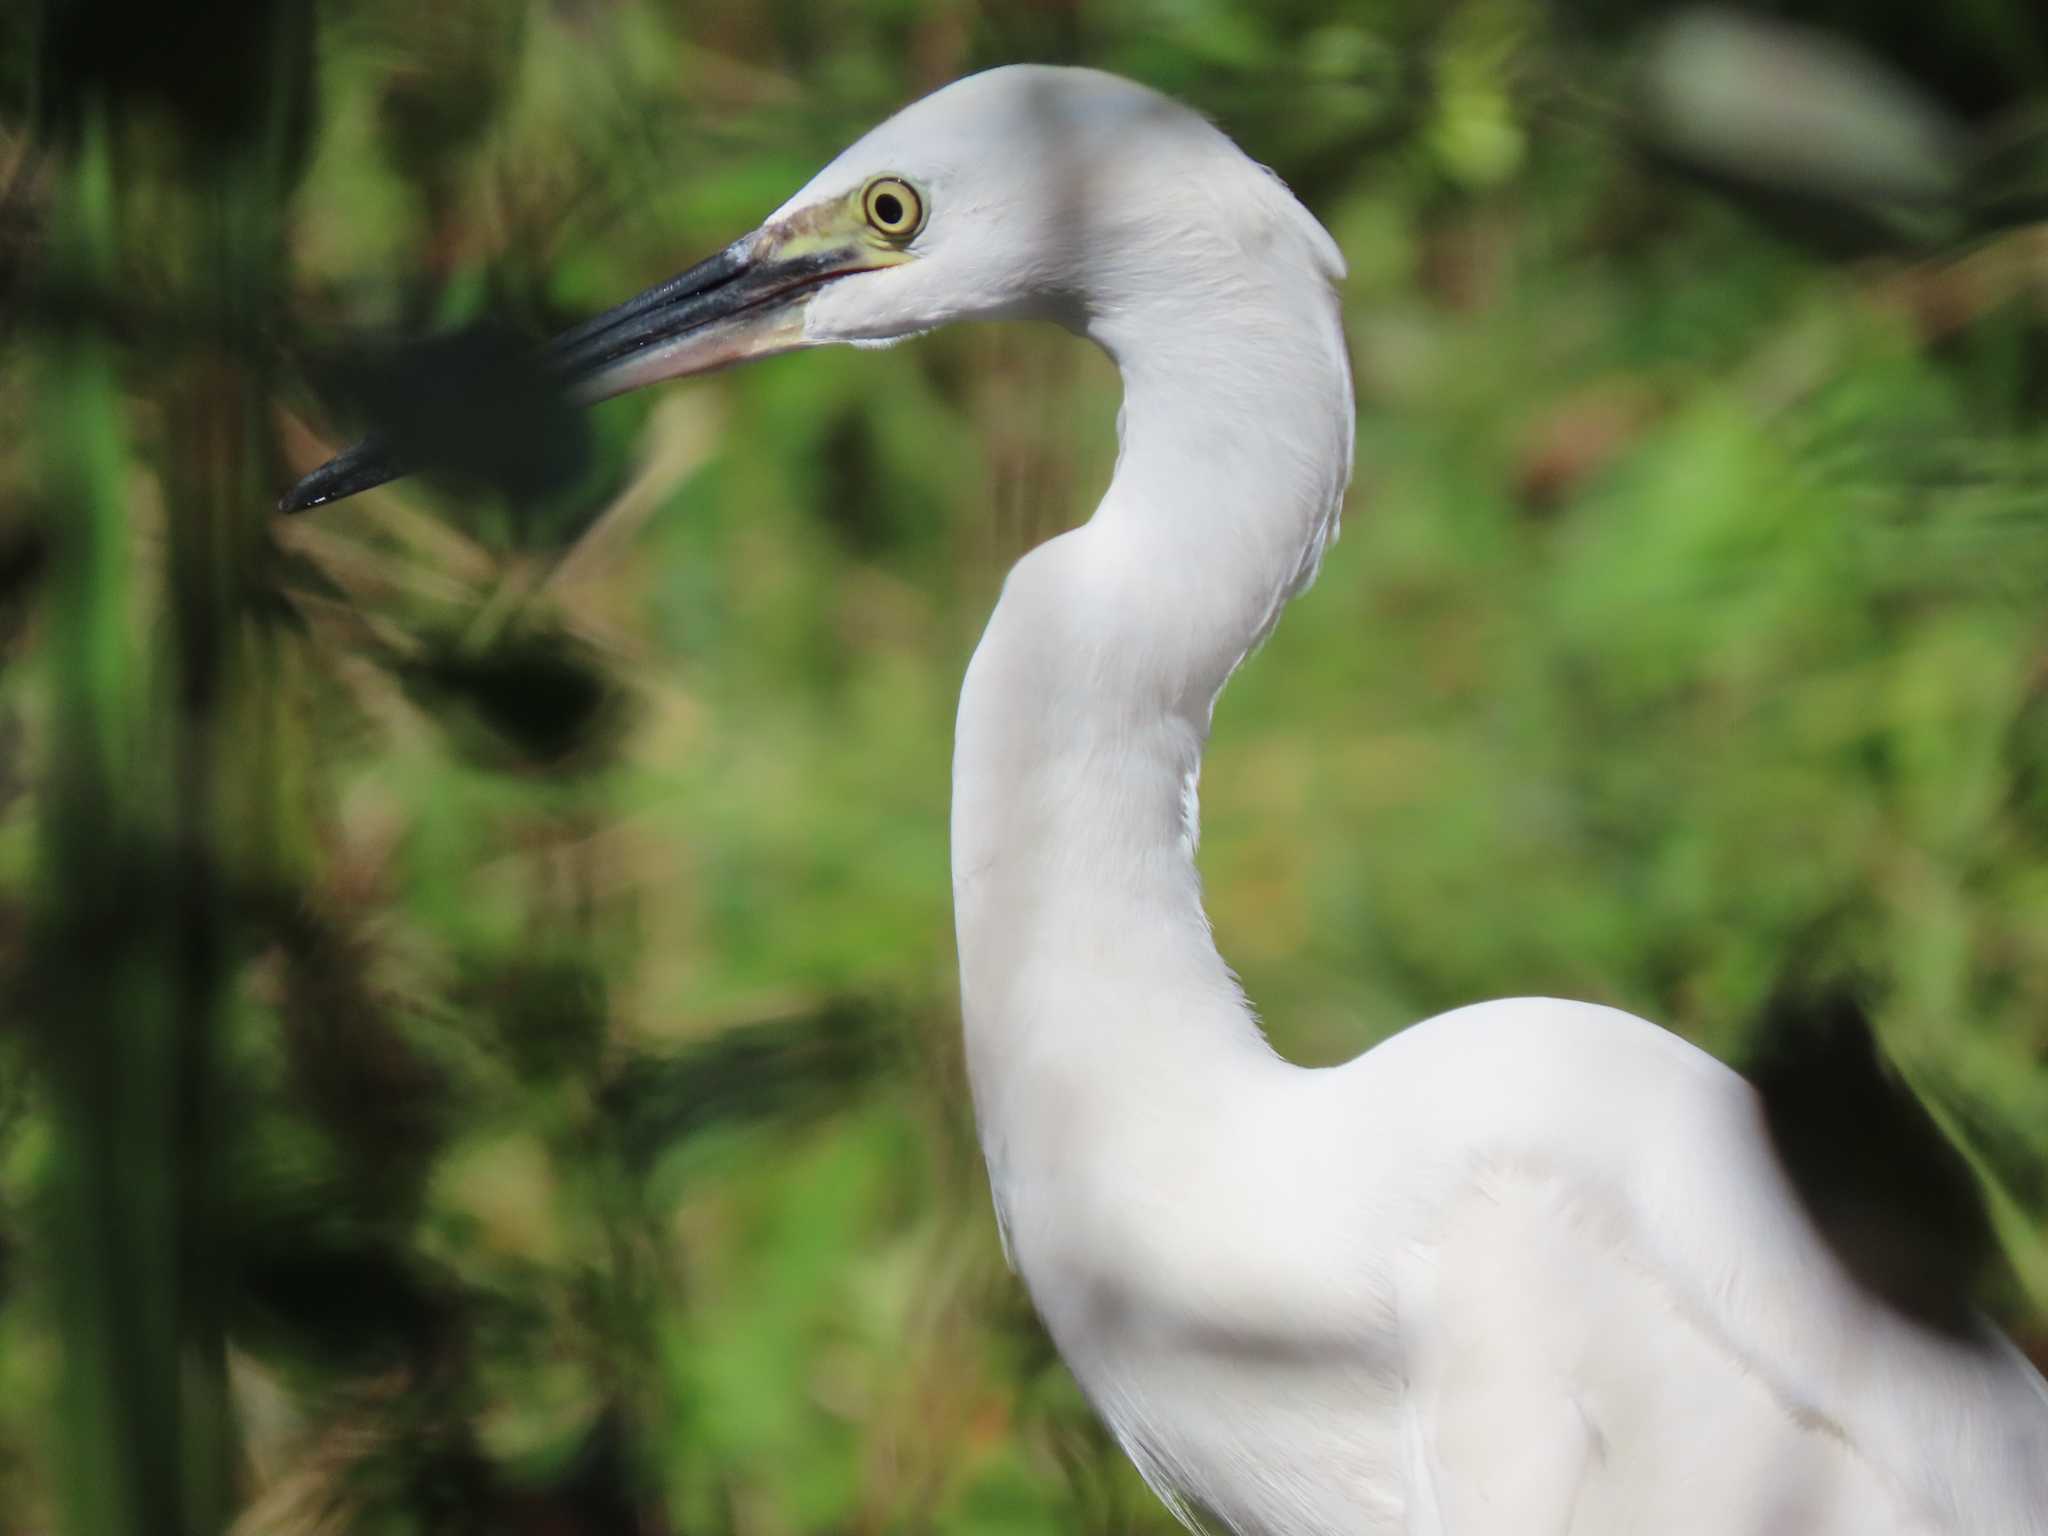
x=477 y=1018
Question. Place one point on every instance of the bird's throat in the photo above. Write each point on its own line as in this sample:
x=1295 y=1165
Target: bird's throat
x=1085 y=955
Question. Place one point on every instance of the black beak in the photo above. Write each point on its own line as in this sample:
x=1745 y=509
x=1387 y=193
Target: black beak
x=745 y=302
x=364 y=467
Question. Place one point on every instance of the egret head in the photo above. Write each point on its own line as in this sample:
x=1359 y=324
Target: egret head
x=1027 y=191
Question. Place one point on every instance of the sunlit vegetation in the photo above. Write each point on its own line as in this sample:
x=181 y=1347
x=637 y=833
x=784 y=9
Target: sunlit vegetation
x=479 y=1036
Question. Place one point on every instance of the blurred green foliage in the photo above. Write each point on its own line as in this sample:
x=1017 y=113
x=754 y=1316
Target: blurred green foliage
x=563 y=1117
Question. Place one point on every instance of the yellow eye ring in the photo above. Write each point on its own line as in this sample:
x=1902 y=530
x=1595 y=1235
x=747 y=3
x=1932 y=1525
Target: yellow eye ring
x=892 y=207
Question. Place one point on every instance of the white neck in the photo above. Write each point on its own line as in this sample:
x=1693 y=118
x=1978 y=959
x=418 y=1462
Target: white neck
x=1085 y=956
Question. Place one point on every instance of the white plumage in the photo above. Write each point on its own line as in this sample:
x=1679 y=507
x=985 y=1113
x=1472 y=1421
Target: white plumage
x=1529 y=1267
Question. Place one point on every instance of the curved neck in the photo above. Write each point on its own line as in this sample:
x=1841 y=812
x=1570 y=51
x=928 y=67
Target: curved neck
x=1085 y=710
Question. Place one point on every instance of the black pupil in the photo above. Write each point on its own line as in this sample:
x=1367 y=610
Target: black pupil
x=888 y=208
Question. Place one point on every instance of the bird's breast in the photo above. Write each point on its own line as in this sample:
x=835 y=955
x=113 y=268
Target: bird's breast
x=1199 y=1275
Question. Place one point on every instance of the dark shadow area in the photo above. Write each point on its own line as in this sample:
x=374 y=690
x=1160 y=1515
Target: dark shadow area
x=1896 y=1201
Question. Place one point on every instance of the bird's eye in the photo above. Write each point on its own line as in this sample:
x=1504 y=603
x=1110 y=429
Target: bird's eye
x=893 y=207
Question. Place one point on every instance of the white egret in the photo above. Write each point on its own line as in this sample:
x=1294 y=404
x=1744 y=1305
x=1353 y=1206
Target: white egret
x=1530 y=1266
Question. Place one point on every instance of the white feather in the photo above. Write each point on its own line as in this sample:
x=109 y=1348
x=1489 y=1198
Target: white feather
x=1528 y=1267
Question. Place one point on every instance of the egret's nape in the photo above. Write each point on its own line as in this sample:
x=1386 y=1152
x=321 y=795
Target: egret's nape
x=1528 y=1266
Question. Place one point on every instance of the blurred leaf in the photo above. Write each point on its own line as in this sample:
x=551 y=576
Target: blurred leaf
x=541 y=699
x=1895 y=1200
x=2009 y=180
x=1812 y=128
x=777 y=1069
x=232 y=75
